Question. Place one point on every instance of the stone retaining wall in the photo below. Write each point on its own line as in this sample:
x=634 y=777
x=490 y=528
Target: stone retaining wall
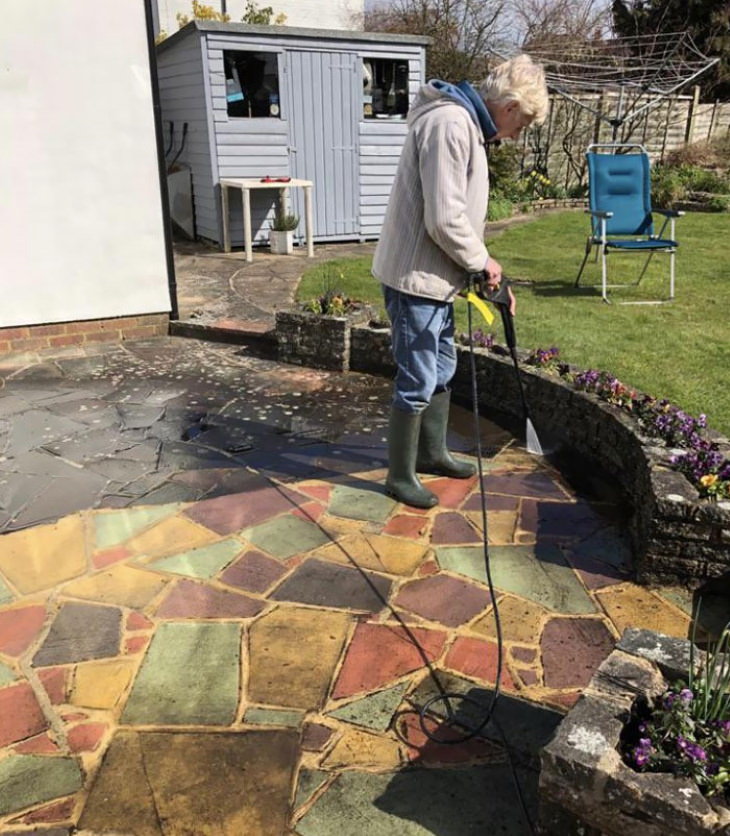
x=676 y=538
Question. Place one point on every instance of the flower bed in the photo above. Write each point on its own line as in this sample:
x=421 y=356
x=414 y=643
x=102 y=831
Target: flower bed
x=586 y=786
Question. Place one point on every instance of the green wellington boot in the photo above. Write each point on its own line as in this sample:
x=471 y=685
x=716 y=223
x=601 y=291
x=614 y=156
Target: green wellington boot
x=433 y=454
x=402 y=482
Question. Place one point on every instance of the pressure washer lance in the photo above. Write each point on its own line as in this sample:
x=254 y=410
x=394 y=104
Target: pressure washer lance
x=501 y=300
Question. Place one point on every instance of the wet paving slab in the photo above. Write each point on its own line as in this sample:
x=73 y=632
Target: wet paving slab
x=216 y=621
x=170 y=421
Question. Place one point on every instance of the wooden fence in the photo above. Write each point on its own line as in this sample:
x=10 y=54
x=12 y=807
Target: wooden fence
x=559 y=145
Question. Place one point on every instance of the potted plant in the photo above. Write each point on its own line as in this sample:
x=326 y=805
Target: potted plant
x=281 y=234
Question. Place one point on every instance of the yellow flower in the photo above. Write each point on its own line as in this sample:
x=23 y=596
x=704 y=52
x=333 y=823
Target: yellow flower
x=709 y=480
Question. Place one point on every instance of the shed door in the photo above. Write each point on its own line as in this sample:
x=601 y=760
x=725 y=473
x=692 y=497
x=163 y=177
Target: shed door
x=323 y=112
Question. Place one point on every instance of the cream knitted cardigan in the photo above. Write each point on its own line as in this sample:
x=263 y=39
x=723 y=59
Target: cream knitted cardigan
x=433 y=232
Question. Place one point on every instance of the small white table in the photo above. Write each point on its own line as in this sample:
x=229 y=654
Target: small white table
x=246 y=185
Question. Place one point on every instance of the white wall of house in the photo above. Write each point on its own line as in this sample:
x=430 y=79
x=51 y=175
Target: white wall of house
x=81 y=230
x=314 y=14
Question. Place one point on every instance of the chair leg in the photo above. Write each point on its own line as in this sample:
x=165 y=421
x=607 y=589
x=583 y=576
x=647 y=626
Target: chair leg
x=671 y=275
x=604 y=272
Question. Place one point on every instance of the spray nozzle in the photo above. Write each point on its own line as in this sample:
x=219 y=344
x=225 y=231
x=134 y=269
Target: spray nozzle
x=497 y=296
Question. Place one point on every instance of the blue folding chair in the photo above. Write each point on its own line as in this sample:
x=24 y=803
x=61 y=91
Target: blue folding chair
x=619 y=186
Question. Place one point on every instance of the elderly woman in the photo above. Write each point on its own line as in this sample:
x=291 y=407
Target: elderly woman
x=433 y=237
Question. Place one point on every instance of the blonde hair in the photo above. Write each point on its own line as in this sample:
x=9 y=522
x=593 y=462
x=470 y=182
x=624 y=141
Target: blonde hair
x=518 y=80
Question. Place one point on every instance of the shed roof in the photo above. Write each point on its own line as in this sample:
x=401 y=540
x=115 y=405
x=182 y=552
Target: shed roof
x=292 y=31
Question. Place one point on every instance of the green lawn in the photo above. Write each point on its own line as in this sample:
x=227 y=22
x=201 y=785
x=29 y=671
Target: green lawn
x=680 y=350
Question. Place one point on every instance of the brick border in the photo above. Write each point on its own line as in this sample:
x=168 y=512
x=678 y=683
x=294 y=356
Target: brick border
x=24 y=338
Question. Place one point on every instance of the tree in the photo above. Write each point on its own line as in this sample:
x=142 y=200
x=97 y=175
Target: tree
x=461 y=31
x=253 y=14
x=706 y=21
x=538 y=20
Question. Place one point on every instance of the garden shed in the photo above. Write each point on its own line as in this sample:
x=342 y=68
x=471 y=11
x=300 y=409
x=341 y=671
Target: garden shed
x=327 y=106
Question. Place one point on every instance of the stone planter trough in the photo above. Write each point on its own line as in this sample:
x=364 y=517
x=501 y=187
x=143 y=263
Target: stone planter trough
x=585 y=788
x=316 y=340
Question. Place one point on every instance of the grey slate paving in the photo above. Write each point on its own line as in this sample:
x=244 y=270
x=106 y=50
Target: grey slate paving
x=38 y=463
x=39 y=427
x=287 y=422
x=5 y=427
x=90 y=444
x=59 y=497
x=118 y=470
x=139 y=417
x=11 y=404
x=88 y=410
x=170 y=492
x=182 y=455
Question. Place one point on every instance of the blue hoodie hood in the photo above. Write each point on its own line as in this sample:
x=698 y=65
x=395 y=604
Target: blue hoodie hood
x=465 y=95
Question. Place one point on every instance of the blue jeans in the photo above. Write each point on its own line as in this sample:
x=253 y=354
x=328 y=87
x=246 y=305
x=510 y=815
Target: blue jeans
x=422 y=336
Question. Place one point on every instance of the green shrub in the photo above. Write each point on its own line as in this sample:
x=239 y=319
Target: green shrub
x=667 y=186
x=500 y=207
x=673 y=181
x=504 y=167
x=702 y=180
x=578 y=190
x=718 y=203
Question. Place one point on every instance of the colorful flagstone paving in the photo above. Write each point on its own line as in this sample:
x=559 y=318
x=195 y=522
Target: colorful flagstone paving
x=253 y=663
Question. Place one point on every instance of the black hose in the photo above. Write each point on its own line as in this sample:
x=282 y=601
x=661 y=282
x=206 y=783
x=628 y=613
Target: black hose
x=180 y=149
x=172 y=138
x=447 y=697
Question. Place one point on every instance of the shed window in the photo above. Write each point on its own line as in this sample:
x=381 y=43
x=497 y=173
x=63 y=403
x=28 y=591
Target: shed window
x=252 y=84
x=385 y=88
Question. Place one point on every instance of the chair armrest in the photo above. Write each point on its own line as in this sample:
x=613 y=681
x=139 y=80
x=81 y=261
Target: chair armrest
x=598 y=214
x=669 y=213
